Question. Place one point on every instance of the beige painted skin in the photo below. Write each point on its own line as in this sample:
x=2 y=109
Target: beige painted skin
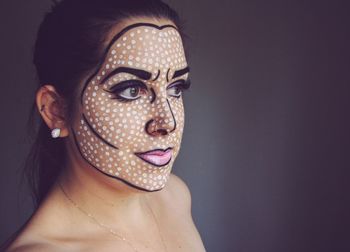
x=59 y=226
x=124 y=128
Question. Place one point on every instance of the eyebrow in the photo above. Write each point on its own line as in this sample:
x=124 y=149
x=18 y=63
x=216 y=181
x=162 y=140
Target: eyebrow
x=180 y=72
x=142 y=74
x=115 y=38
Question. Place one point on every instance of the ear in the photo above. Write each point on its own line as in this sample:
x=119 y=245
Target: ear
x=52 y=109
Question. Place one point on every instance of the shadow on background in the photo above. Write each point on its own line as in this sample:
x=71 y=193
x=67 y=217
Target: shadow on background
x=266 y=143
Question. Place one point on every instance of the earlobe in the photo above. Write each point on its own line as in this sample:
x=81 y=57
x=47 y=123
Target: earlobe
x=52 y=109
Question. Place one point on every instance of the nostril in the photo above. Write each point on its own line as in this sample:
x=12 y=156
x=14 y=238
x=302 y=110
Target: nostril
x=152 y=129
x=162 y=131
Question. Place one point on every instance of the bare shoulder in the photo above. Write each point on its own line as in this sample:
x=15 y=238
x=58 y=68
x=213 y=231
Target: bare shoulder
x=34 y=247
x=29 y=240
x=24 y=240
x=176 y=194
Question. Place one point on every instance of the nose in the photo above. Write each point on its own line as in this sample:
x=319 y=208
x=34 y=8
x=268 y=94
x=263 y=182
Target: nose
x=163 y=121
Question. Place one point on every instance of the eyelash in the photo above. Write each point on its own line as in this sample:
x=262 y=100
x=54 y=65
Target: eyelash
x=120 y=87
x=182 y=84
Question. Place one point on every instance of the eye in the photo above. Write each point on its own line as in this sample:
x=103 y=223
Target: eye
x=128 y=90
x=176 y=88
x=175 y=91
x=131 y=93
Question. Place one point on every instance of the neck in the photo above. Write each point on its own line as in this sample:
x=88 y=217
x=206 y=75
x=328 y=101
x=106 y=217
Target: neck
x=107 y=199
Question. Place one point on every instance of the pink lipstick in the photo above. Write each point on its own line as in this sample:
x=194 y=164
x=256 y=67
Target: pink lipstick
x=156 y=157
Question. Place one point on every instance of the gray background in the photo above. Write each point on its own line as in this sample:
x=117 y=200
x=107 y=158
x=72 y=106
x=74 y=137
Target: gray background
x=266 y=144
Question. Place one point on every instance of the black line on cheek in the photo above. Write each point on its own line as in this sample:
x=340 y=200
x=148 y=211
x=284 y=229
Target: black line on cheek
x=172 y=114
x=96 y=134
x=156 y=78
x=167 y=75
x=109 y=175
x=153 y=95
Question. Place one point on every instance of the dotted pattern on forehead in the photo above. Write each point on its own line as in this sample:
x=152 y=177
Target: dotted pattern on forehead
x=115 y=38
x=110 y=132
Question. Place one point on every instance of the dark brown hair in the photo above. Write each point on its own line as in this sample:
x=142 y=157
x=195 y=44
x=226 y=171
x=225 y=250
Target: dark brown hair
x=68 y=46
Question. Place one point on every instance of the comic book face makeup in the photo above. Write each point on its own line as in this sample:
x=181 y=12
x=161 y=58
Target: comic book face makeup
x=132 y=117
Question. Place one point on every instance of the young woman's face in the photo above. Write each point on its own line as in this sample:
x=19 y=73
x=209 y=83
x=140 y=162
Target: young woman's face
x=132 y=117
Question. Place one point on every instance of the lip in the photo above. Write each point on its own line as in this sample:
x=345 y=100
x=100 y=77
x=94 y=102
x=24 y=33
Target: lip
x=156 y=157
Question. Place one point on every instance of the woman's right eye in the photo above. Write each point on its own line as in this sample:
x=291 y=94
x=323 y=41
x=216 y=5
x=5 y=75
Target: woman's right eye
x=127 y=90
x=131 y=93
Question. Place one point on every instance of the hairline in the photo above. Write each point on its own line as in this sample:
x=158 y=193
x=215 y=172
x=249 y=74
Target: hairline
x=111 y=43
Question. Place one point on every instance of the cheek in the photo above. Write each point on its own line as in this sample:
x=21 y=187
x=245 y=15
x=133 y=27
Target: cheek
x=108 y=117
x=131 y=118
x=123 y=123
x=179 y=113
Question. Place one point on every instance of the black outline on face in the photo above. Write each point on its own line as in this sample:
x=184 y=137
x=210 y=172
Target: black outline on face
x=172 y=114
x=115 y=38
x=167 y=75
x=96 y=134
x=162 y=131
x=153 y=95
x=156 y=78
x=147 y=126
x=109 y=175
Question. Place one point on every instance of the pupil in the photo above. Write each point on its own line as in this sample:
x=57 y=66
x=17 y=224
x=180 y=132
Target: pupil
x=133 y=91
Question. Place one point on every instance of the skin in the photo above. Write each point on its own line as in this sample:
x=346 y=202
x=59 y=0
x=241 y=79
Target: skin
x=153 y=119
x=145 y=212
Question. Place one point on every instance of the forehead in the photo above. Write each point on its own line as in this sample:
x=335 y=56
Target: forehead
x=147 y=47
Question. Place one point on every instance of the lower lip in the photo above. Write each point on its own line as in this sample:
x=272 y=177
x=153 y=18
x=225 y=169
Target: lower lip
x=157 y=158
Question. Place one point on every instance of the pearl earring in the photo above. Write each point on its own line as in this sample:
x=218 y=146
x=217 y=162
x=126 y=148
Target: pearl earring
x=55 y=132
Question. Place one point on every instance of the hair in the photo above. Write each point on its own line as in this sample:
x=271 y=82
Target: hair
x=69 y=45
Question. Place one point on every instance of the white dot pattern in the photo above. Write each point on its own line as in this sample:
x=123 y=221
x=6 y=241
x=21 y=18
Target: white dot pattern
x=122 y=124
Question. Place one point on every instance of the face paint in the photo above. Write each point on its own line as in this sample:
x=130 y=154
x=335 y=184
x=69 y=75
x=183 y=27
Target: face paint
x=132 y=115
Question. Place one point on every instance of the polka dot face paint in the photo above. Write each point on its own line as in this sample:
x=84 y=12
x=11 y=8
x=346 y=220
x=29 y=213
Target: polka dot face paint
x=132 y=114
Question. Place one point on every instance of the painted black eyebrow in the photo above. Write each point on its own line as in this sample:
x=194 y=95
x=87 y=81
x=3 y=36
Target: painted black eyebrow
x=181 y=72
x=142 y=74
x=115 y=38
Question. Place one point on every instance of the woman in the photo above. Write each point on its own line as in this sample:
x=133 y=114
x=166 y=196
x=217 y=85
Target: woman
x=111 y=77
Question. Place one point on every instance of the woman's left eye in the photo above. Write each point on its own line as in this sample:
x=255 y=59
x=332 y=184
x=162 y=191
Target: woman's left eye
x=175 y=91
